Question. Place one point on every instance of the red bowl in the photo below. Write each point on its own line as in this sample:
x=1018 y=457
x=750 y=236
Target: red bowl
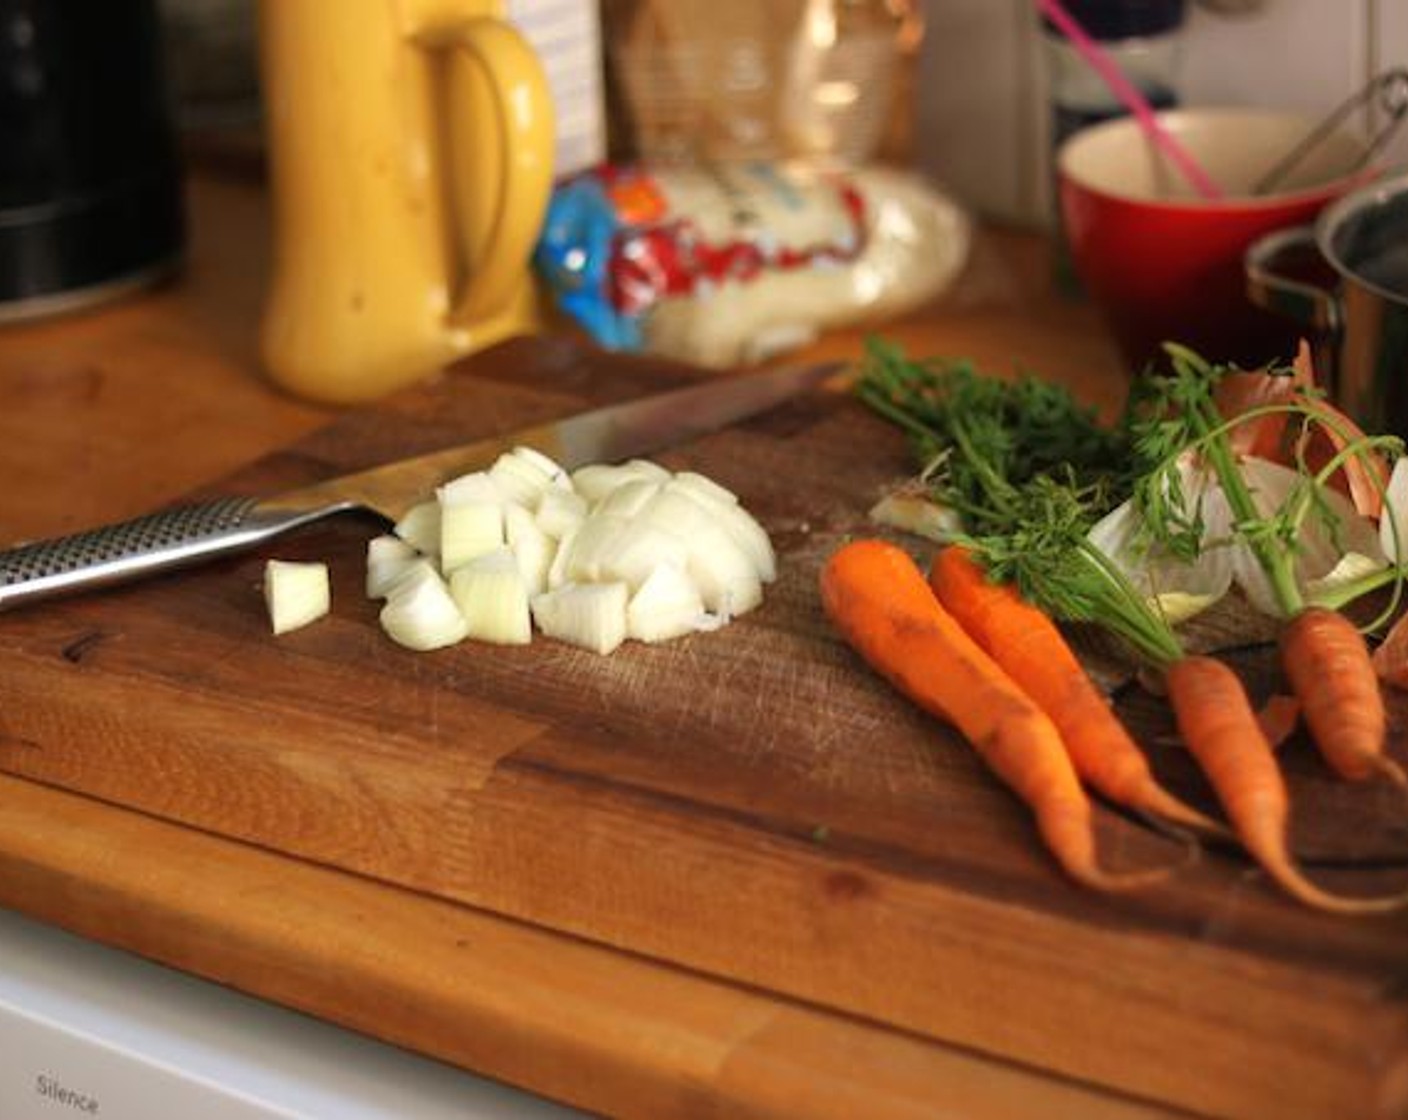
x=1166 y=265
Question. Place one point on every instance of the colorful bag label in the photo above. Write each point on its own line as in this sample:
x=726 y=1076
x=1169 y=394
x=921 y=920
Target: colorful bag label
x=619 y=240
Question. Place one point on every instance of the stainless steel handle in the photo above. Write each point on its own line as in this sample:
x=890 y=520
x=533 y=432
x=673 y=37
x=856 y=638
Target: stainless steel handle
x=1271 y=286
x=130 y=549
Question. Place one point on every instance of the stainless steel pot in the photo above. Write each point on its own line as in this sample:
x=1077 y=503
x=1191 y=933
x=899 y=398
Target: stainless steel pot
x=1356 y=314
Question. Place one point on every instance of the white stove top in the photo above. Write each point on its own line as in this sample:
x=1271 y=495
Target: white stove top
x=90 y=1031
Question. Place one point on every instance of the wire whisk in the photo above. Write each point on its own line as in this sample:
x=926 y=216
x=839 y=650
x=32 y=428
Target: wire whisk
x=1391 y=89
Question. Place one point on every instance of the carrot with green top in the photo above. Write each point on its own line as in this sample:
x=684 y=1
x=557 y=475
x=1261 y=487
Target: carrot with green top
x=1026 y=642
x=1216 y=721
x=1028 y=519
x=878 y=598
x=1323 y=654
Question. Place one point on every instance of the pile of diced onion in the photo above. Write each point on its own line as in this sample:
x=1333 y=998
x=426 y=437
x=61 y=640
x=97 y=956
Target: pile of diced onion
x=607 y=553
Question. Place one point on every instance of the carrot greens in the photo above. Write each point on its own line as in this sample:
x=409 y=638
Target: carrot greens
x=986 y=431
x=1030 y=474
x=1030 y=471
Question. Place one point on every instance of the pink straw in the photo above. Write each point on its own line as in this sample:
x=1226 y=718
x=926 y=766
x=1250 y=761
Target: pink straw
x=1130 y=96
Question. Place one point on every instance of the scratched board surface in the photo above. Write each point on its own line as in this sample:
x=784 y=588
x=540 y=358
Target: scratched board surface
x=752 y=803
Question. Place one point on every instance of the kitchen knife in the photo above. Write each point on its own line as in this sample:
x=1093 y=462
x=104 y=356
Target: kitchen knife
x=190 y=533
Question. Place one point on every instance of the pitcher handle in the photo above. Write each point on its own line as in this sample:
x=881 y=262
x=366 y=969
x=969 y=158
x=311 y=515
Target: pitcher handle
x=1270 y=288
x=501 y=112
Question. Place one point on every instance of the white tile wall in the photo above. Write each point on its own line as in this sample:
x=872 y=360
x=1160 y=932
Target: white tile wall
x=1388 y=47
x=567 y=37
x=975 y=130
x=981 y=120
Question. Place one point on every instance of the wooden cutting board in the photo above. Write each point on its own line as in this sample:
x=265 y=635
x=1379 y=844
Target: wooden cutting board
x=752 y=803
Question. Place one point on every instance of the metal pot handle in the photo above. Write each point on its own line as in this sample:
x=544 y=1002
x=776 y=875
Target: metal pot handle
x=1270 y=288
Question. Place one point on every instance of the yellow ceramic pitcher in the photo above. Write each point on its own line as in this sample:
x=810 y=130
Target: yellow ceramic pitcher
x=410 y=160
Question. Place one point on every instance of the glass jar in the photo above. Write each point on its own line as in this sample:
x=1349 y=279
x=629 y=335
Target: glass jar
x=1144 y=38
x=740 y=81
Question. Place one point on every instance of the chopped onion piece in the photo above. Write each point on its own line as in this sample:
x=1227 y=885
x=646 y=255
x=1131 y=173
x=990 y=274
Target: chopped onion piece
x=628 y=499
x=590 y=615
x=594 y=481
x=388 y=559
x=519 y=479
x=754 y=540
x=592 y=545
x=634 y=551
x=415 y=570
x=478 y=487
x=727 y=579
x=557 y=573
x=647 y=468
x=667 y=605
x=597 y=480
x=295 y=593
x=560 y=511
x=676 y=512
x=468 y=529
x=535 y=458
x=533 y=549
x=420 y=614
x=491 y=595
x=725 y=576
x=723 y=507
x=705 y=487
x=420 y=527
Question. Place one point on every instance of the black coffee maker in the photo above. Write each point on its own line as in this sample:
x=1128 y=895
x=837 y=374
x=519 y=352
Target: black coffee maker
x=90 y=193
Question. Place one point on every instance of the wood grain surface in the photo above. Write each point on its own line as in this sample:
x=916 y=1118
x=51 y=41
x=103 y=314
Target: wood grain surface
x=609 y=1032
x=751 y=804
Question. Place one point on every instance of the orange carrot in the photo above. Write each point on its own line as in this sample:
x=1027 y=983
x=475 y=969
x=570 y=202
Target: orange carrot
x=879 y=600
x=1390 y=658
x=1221 y=730
x=1329 y=667
x=1029 y=646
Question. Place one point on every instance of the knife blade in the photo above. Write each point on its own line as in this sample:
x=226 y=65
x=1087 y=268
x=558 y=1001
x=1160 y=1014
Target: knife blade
x=187 y=534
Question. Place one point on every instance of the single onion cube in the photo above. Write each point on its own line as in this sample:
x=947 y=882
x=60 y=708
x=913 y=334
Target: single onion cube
x=296 y=593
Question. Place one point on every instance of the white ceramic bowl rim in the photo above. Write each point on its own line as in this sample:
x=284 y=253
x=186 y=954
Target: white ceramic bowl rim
x=1235 y=146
